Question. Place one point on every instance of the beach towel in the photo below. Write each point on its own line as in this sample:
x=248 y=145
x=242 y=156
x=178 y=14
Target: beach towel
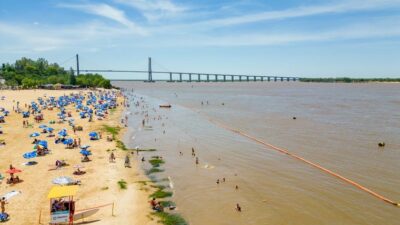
x=10 y=195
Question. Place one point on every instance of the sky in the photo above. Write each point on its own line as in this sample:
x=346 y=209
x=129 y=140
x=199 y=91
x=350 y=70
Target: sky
x=304 y=38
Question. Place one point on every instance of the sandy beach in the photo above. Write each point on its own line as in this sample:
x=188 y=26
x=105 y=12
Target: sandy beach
x=98 y=186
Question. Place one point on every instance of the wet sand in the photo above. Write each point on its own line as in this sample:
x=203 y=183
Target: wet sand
x=337 y=126
x=99 y=184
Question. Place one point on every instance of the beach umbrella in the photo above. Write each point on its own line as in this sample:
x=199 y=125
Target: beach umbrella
x=63 y=180
x=42 y=126
x=30 y=155
x=85 y=147
x=49 y=129
x=68 y=141
x=42 y=143
x=93 y=134
x=85 y=152
x=63 y=132
x=36 y=134
x=13 y=170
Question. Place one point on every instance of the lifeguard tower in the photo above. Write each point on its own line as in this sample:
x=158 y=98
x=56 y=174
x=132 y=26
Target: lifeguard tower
x=62 y=205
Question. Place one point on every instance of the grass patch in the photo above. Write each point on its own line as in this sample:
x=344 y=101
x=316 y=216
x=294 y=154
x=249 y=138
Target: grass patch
x=122 y=184
x=156 y=162
x=170 y=219
x=160 y=193
x=167 y=204
x=154 y=170
x=121 y=145
x=142 y=182
x=114 y=131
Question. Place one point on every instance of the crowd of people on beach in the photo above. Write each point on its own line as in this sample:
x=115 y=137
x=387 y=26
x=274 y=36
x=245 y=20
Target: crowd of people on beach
x=87 y=106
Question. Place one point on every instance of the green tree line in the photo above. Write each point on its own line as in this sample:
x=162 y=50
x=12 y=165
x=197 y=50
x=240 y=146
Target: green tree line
x=30 y=73
x=349 y=80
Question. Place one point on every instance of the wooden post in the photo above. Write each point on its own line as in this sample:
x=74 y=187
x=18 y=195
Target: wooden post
x=112 y=213
x=40 y=216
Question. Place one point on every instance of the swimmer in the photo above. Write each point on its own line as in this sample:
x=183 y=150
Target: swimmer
x=237 y=187
x=217 y=181
x=238 y=208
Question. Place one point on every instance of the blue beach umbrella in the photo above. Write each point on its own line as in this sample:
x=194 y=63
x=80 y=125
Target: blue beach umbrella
x=49 y=129
x=42 y=143
x=36 y=134
x=68 y=141
x=30 y=155
x=42 y=126
x=93 y=134
x=85 y=152
x=63 y=133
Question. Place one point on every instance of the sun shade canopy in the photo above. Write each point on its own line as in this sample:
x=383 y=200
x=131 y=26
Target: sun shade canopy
x=62 y=191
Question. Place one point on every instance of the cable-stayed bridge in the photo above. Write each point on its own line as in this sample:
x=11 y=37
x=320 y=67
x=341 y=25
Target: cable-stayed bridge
x=169 y=76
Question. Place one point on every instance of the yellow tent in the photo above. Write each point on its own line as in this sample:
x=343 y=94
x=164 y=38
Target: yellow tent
x=62 y=191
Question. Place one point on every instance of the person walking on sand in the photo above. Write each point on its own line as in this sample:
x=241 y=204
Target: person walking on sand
x=3 y=204
x=112 y=157
x=197 y=160
x=193 y=153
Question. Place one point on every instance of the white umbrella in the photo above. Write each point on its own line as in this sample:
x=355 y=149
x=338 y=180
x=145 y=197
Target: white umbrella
x=63 y=180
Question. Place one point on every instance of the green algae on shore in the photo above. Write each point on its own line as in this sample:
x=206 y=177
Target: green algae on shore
x=170 y=218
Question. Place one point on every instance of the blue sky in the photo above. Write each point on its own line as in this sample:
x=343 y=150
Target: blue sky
x=310 y=38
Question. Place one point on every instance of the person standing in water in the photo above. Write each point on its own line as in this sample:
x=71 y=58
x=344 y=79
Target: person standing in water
x=127 y=161
x=238 y=208
x=193 y=153
x=197 y=160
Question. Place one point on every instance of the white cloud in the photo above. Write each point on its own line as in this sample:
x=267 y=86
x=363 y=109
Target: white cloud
x=339 y=7
x=385 y=28
x=106 y=11
x=154 y=9
x=24 y=37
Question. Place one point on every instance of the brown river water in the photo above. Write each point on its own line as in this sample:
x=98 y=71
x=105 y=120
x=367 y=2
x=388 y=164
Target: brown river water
x=338 y=126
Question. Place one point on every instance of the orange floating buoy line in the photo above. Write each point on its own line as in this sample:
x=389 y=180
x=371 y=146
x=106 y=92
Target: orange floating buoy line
x=281 y=150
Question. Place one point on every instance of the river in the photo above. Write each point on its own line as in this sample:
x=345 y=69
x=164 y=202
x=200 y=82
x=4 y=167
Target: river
x=337 y=126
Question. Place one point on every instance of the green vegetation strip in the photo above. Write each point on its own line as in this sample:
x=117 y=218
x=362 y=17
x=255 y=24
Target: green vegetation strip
x=121 y=145
x=156 y=162
x=348 y=80
x=170 y=219
x=29 y=73
x=154 y=170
